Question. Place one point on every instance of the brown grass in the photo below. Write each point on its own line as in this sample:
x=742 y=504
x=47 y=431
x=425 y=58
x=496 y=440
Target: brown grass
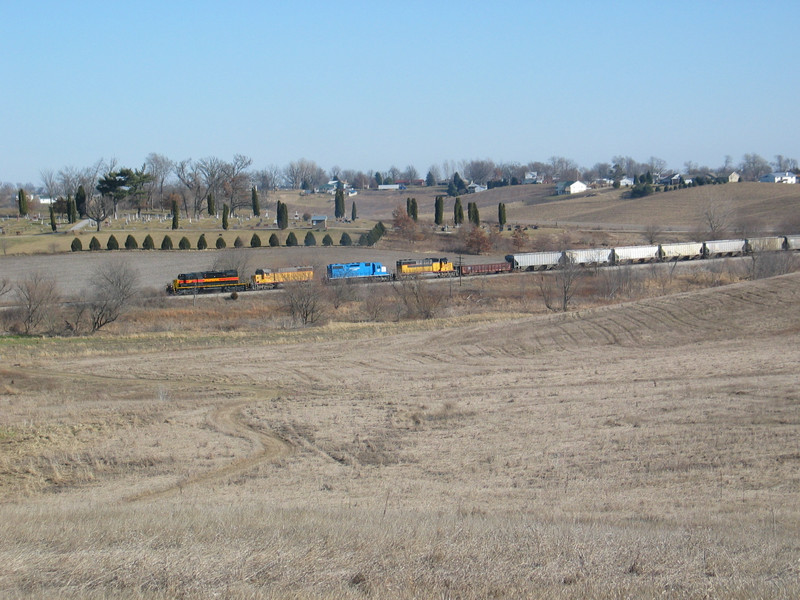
x=633 y=450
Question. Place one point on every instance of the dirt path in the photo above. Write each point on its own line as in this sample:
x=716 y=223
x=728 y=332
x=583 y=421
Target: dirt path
x=227 y=419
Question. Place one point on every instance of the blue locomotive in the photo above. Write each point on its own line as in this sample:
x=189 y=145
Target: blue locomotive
x=370 y=271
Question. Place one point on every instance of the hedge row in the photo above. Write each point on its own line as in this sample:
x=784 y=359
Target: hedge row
x=202 y=244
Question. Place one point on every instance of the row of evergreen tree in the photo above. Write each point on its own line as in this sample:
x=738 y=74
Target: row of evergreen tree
x=366 y=239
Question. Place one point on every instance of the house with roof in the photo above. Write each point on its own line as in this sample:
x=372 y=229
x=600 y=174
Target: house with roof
x=570 y=187
x=319 y=222
x=784 y=177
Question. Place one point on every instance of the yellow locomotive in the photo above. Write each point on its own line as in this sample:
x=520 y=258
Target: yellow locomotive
x=272 y=278
x=437 y=267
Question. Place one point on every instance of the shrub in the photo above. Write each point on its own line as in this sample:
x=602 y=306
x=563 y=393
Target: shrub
x=364 y=240
x=166 y=243
x=255 y=241
x=238 y=243
x=76 y=245
x=221 y=243
x=291 y=239
x=345 y=240
x=310 y=239
x=202 y=244
x=112 y=243
x=184 y=244
x=274 y=242
x=94 y=244
x=131 y=243
x=327 y=240
x=148 y=243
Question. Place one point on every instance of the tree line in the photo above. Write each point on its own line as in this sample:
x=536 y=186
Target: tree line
x=205 y=185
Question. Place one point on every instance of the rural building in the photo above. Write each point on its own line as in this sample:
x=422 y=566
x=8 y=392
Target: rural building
x=474 y=188
x=734 y=177
x=784 y=177
x=319 y=222
x=571 y=187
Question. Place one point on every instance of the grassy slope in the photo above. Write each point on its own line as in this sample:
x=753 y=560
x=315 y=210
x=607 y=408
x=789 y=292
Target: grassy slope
x=636 y=450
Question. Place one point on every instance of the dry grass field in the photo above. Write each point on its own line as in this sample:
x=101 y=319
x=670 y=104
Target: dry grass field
x=638 y=450
x=642 y=445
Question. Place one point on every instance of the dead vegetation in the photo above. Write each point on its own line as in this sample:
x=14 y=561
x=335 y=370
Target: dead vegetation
x=628 y=450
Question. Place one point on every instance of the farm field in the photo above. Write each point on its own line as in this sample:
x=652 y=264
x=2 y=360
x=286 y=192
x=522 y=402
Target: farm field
x=644 y=449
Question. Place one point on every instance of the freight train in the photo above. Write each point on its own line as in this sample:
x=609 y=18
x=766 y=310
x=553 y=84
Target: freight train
x=229 y=281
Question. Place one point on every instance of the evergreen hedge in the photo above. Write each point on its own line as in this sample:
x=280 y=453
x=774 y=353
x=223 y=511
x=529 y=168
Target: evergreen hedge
x=76 y=245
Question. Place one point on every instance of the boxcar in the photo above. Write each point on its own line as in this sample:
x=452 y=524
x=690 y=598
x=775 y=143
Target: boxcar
x=535 y=261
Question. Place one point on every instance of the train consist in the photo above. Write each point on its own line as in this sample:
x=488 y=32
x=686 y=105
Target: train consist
x=229 y=281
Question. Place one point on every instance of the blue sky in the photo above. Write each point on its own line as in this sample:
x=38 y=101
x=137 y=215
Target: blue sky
x=370 y=85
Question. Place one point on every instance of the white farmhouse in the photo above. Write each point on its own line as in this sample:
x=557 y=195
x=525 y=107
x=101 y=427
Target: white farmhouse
x=571 y=187
x=784 y=177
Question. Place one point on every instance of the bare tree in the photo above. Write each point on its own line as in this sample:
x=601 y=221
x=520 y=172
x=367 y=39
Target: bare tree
x=479 y=171
x=237 y=259
x=38 y=297
x=236 y=182
x=160 y=168
x=652 y=233
x=564 y=168
x=419 y=298
x=50 y=182
x=716 y=218
x=98 y=208
x=113 y=286
x=304 y=301
x=210 y=169
x=69 y=180
x=558 y=287
x=753 y=166
x=191 y=177
x=784 y=163
x=771 y=264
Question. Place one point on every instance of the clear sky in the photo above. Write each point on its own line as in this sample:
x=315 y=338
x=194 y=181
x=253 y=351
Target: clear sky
x=370 y=85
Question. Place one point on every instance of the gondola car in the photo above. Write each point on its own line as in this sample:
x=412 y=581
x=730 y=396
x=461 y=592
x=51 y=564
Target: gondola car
x=207 y=281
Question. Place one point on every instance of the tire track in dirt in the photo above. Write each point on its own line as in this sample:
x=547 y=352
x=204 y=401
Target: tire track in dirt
x=227 y=419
